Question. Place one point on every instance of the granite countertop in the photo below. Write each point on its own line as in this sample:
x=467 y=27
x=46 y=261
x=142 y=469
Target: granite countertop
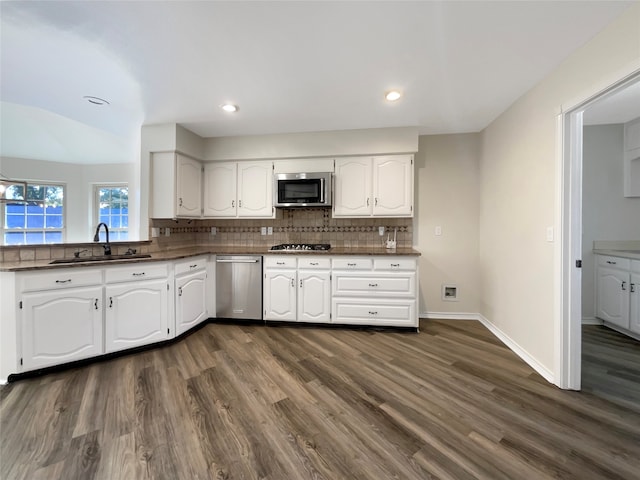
x=632 y=254
x=176 y=254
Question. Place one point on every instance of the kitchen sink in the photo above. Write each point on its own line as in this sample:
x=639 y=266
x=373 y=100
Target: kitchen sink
x=101 y=258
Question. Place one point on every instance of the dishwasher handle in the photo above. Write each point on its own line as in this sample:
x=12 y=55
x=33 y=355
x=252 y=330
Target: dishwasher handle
x=223 y=260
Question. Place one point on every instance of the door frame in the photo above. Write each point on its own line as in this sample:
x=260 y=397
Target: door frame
x=568 y=277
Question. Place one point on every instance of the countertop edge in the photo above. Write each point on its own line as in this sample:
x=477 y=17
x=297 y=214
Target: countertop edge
x=177 y=254
x=617 y=253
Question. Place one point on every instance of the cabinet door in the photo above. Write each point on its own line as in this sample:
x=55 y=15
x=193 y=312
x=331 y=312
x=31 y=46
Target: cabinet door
x=61 y=326
x=314 y=296
x=255 y=189
x=352 y=189
x=393 y=186
x=136 y=314
x=191 y=304
x=634 y=297
x=613 y=296
x=188 y=186
x=280 y=294
x=220 y=189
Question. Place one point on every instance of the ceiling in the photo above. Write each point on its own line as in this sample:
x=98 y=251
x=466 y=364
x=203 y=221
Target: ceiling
x=289 y=66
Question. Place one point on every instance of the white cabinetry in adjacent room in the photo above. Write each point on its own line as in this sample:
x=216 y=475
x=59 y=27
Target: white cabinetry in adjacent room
x=375 y=291
x=617 y=297
x=61 y=316
x=190 y=293
x=238 y=189
x=634 y=297
x=136 y=305
x=176 y=186
x=374 y=186
x=632 y=158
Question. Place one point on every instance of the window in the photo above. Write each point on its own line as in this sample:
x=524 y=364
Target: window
x=39 y=219
x=112 y=203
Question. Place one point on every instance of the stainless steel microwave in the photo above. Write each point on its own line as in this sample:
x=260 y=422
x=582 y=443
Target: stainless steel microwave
x=292 y=190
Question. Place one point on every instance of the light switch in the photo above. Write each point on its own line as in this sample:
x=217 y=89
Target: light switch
x=269 y=230
x=167 y=231
x=381 y=231
x=438 y=230
x=214 y=230
x=263 y=230
x=549 y=234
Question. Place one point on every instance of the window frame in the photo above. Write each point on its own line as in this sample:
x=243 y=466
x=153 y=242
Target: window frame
x=96 y=209
x=25 y=231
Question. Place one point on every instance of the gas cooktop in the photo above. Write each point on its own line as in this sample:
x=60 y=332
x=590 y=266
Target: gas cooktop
x=302 y=247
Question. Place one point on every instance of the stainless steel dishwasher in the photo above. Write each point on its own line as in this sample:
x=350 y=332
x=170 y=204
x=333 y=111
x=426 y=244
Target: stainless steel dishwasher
x=239 y=286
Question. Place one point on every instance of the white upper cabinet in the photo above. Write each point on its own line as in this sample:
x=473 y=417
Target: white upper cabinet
x=176 y=186
x=632 y=158
x=238 y=189
x=374 y=186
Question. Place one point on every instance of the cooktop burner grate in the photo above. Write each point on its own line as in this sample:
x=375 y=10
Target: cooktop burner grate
x=302 y=246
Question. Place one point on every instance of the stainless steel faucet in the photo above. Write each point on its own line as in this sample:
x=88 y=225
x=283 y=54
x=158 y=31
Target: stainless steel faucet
x=96 y=238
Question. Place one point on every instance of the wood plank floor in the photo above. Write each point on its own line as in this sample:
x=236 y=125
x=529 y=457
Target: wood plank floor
x=611 y=366
x=277 y=403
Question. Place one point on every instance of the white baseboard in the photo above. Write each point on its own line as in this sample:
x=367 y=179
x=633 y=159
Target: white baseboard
x=591 y=321
x=513 y=346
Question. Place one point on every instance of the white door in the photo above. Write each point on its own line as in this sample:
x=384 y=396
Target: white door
x=220 y=189
x=255 y=189
x=136 y=314
x=634 y=300
x=314 y=296
x=280 y=295
x=393 y=185
x=352 y=189
x=191 y=300
x=613 y=296
x=61 y=326
x=189 y=186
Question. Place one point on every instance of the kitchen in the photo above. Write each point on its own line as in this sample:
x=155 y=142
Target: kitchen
x=470 y=253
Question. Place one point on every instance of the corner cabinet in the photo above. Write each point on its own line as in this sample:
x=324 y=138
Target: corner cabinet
x=373 y=186
x=176 y=186
x=136 y=306
x=238 y=190
x=61 y=317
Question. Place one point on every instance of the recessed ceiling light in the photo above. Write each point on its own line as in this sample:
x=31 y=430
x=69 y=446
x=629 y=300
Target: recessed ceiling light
x=95 y=100
x=392 y=95
x=228 y=107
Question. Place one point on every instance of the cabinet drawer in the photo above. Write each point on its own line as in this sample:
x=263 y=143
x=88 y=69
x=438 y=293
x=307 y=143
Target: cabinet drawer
x=385 y=312
x=352 y=263
x=614 y=262
x=635 y=266
x=142 y=271
x=280 y=261
x=314 y=263
x=368 y=285
x=394 y=263
x=190 y=265
x=59 y=278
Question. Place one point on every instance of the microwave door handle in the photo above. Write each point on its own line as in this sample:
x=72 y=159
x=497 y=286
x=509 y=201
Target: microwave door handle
x=322 y=190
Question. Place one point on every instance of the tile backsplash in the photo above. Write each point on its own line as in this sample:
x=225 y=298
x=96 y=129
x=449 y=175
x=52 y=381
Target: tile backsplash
x=308 y=225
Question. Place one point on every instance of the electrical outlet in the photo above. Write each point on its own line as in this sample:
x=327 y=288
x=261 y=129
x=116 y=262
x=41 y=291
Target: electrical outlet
x=214 y=230
x=167 y=231
x=549 y=234
x=263 y=230
x=155 y=232
x=381 y=231
x=269 y=230
x=438 y=230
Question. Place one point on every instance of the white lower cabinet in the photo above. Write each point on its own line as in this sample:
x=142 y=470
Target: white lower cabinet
x=190 y=293
x=60 y=326
x=634 y=297
x=617 y=297
x=297 y=289
x=375 y=291
x=136 y=314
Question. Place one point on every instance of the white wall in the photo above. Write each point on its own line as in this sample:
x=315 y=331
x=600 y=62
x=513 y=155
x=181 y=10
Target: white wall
x=606 y=213
x=447 y=194
x=79 y=180
x=517 y=200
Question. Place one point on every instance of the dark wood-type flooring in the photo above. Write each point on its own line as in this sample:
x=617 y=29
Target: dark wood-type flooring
x=279 y=403
x=611 y=366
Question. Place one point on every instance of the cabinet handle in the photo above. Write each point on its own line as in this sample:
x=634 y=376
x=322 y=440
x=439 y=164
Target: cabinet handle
x=372 y=313
x=624 y=284
x=313 y=263
x=180 y=201
x=395 y=264
x=633 y=288
x=611 y=263
x=293 y=283
x=233 y=203
x=373 y=284
x=193 y=266
x=138 y=274
x=367 y=201
x=179 y=291
x=351 y=264
x=63 y=281
x=95 y=304
x=279 y=263
x=239 y=203
x=110 y=302
x=376 y=201
x=300 y=283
